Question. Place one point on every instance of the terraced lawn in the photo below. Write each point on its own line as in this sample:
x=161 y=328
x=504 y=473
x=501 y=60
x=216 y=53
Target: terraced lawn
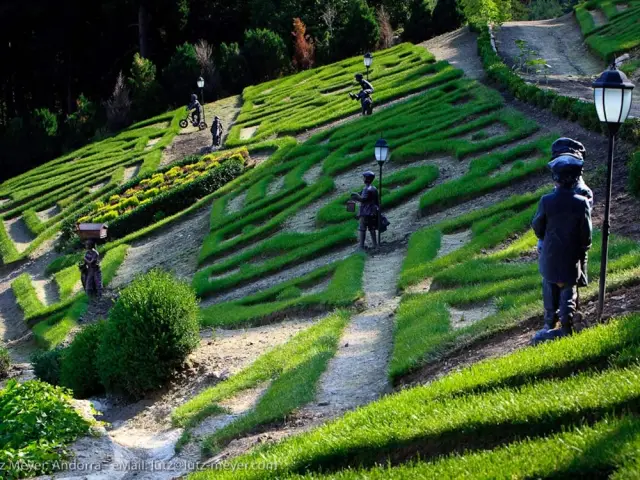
x=610 y=27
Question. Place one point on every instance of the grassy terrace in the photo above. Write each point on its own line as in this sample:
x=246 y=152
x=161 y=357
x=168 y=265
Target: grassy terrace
x=36 y=203
x=567 y=407
x=621 y=33
x=281 y=107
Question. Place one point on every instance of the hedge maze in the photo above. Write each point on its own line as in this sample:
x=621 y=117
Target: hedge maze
x=315 y=97
x=34 y=204
x=620 y=34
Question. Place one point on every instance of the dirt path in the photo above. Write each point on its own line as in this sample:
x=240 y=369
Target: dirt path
x=460 y=49
x=174 y=248
x=357 y=374
x=560 y=43
x=190 y=140
x=19 y=233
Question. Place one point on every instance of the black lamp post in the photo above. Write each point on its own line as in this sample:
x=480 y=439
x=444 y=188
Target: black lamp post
x=368 y=59
x=381 y=151
x=612 y=94
x=200 y=83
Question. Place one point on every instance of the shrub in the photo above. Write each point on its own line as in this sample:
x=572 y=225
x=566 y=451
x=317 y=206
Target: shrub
x=79 y=370
x=175 y=199
x=386 y=30
x=158 y=216
x=419 y=25
x=81 y=124
x=266 y=54
x=5 y=362
x=152 y=328
x=303 y=48
x=44 y=133
x=118 y=107
x=178 y=75
x=145 y=87
x=46 y=365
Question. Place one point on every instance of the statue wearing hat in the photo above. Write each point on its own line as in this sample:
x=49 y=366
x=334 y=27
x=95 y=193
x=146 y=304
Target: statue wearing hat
x=563 y=226
x=216 y=131
x=368 y=212
x=364 y=95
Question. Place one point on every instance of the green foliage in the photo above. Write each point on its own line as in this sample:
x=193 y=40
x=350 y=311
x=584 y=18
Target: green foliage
x=46 y=365
x=360 y=32
x=233 y=66
x=80 y=124
x=399 y=71
x=543 y=9
x=79 y=370
x=5 y=362
x=344 y=288
x=38 y=424
x=26 y=296
x=292 y=369
x=482 y=12
x=151 y=329
x=180 y=73
x=266 y=54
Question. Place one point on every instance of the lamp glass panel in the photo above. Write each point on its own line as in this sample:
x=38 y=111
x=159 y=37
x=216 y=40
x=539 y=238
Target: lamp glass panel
x=626 y=104
x=613 y=104
x=597 y=100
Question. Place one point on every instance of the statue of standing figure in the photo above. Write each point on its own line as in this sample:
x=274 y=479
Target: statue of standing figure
x=90 y=272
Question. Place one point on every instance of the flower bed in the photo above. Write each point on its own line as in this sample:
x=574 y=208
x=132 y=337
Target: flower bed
x=165 y=192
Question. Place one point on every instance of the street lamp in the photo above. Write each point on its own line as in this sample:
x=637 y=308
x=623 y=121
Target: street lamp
x=612 y=98
x=381 y=151
x=368 y=59
x=200 y=83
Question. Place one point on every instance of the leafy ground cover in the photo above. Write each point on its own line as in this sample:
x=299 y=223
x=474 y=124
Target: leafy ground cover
x=38 y=424
x=566 y=407
x=37 y=202
x=282 y=106
x=292 y=371
x=620 y=34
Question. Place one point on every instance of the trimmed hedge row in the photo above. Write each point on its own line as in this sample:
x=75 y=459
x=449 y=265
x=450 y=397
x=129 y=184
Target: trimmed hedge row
x=565 y=107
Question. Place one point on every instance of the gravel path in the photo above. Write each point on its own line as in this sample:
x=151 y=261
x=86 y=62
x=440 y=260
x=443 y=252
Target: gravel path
x=560 y=43
x=460 y=49
x=19 y=233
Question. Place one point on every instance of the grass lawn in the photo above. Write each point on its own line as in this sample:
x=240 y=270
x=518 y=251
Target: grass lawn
x=496 y=419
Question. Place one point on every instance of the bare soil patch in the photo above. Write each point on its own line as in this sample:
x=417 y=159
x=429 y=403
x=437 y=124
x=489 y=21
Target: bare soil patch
x=131 y=172
x=460 y=49
x=46 y=290
x=159 y=249
x=452 y=242
x=599 y=18
x=19 y=233
x=464 y=317
x=94 y=188
x=248 y=132
x=49 y=213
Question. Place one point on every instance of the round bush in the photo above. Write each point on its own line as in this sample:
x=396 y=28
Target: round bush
x=151 y=329
x=46 y=365
x=79 y=369
x=5 y=362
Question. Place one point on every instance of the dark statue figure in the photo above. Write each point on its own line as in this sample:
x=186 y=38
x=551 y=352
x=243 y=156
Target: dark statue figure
x=90 y=272
x=194 y=105
x=216 y=132
x=369 y=207
x=364 y=95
